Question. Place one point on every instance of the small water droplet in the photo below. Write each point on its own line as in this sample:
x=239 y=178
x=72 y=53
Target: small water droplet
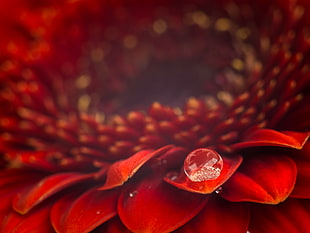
x=98 y=212
x=203 y=164
x=132 y=194
x=219 y=190
x=172 y=175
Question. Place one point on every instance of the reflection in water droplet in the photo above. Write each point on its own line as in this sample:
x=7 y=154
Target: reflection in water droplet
x=132 y=194
x=203 y=164
x=98 y=212
x=219 y=190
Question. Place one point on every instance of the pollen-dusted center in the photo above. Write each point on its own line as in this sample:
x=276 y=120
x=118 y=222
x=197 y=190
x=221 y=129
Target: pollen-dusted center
x=203 y=164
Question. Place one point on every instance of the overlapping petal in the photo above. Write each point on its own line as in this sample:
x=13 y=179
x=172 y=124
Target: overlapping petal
x=154 y=206
x=37 y=221
x=302 y=185
x=269 y=137
x=121 y=171
x=48 y=186
x=291 y=216
x=86 y=212
x=264 y=179
x=91 y=171
x=219 y=216
x=180 y=180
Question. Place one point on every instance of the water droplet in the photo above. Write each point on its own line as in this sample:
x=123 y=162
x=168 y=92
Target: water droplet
x=132 y=194
x=98 y=212
x=203 y=164
x=172 y=176
x=219 y=190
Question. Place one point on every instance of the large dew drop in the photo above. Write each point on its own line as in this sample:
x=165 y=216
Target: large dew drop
x=203 y=164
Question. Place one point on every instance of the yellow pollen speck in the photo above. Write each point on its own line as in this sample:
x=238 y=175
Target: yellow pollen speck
x=83 y=81
x=193 y=103
x=84 y=102
x=130 y=41
x=223 y=24
x=260 y=93
x=160 y=26
x=100 y=117
x=24 y=113
x=237 y=64
x=225 y=97
x=239 y=110
x=243 y=33
x=201 y=19
x=261 y=116
x=272 y=103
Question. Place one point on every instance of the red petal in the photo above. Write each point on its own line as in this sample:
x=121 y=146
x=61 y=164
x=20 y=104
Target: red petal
x=181 y=181
x=45 y=188
x=112 y=226
x=87 y=212
x=263 y=179
x=154 y=206
x=36 y=221
x=269 y=137
x=292 y=216
x=6 y=197
x=121 y=171
x=18 y=176
x=219 y=216
x=302 y=186
x=59 y=210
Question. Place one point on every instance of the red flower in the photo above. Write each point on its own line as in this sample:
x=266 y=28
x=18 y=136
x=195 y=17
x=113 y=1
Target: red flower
x=185 y=116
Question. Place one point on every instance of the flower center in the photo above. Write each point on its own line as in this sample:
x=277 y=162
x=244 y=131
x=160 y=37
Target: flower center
x=203 y=164
x=170 y=83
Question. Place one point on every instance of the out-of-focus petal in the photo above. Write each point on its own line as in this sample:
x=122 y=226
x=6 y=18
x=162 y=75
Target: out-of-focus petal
x=302 y=186
x=269 y=137
x=219 y=216
x=263 y=179
x=48 y=186
x=154 y=206
x=121 y=171
x=86 y=213
x=292 y=216
x=35 y=221
x=230 y=165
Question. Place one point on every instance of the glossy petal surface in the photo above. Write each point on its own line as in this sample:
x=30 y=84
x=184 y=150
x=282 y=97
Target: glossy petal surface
x=230 y=165
x=85 y=213
x=265 y=179
x=36 y=221
x=112 y=226
x=219 y=216
x=154 y=206
x=302 y=186
x=269 y=137
x=45 y=188
x=121 y=171
x=289 y=217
